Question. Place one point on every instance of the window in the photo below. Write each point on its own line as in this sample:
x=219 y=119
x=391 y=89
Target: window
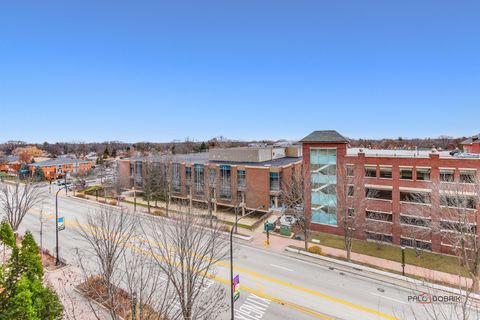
x=406 y=173
x=373 y=193
x=132 y=169
x=350 y=172
x=351 y=191
x=458 y=227
x=323 y=164
x=380 y=216
x=386 y=172
x=458 y=201
x=212 y=175
x=241 y=182
x=447 y=175
x=415 y=197
x=199 y=178
x=379 y=237
x=413 y=243
x=351 y=212
x=423 y=174
x=415 y=221
x=176 y=177
x=188 y=175
x=370 y=171
x=467 y=176
x=274 y=181
x=225 y=181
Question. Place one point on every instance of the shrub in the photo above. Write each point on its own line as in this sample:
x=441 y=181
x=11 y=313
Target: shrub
x=80 y=195
x=112 y=202
x=315 y=250
x=158 y=213
x=102 y=201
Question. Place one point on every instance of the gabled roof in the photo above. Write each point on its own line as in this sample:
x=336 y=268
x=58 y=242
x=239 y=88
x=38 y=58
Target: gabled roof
x=58 y=162
x=474 y=139
x=325 y=136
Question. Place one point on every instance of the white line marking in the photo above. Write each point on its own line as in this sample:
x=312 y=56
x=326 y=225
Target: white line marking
x=385 y=297
x=280 y=267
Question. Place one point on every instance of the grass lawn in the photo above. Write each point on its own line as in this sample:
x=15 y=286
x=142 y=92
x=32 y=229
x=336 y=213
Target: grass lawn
x=429 y=260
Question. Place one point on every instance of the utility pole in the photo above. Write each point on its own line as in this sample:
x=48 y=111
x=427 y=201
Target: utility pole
x=232 y=309
x=57 y=261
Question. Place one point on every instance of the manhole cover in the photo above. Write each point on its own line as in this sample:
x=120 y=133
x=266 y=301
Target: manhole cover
x=381 y=290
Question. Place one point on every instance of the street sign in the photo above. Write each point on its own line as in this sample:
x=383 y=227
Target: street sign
x=236 y=287
x=61 y=223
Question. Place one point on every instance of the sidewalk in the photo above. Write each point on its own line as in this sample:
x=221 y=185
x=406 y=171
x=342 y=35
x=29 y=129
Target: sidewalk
x=278 y=243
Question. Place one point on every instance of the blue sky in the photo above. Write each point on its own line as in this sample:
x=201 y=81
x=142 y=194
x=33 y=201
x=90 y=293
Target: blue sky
x=250 y=69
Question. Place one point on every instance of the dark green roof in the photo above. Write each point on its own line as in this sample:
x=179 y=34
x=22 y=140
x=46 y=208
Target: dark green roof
x=325 y=136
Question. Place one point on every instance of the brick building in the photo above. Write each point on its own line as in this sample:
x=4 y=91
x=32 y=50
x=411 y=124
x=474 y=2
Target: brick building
x=472 y=145
x=57 y=168
x=247 y=177
x=392 y=184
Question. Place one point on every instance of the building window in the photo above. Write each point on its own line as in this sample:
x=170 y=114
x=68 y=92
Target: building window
x=350 y=170
x=176 y=177
x=413 y=243
x=241 y=179
x=423 y=174
x=225 y=182
x=380 y=216
x=132 y=169
x=372 y=193
x=458 y=201
x=199 y=178
x=188 y=175
x=458 y=227
x=447 y=175
x=274 y=181
x=351 y=212
x=415 y=197
x=379 y=237
x=467 y=176
x=350 y=191
x=415 y=221
x=212 y=176
x=323 y=175
x=406 y=173
x=370 y=171
x=386 y=172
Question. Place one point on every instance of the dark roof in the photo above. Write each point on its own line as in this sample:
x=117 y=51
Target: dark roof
x=326 y=136
x=58 y=161
x=474 y=139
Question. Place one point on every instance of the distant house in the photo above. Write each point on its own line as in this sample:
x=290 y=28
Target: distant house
x=10 y=164
x=472 y=145
x=57 y=168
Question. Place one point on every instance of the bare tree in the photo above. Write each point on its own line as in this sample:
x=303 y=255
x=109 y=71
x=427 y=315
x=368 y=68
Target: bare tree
x=107 y=232
x=150 y=290
x=457 y=206
x=186 y=250
x=18 y=199
x=292 y=195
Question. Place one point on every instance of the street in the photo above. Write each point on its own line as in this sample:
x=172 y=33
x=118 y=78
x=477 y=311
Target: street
x=272 y=285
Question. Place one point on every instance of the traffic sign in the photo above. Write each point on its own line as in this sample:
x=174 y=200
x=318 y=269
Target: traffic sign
x=236 y=287
x=61 y=223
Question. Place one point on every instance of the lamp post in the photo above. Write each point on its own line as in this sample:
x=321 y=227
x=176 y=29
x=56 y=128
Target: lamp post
x=232 y=310
x=57 y=261
x=403 y=261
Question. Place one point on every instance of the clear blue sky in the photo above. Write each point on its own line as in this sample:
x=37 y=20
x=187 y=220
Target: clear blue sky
x=249 y=69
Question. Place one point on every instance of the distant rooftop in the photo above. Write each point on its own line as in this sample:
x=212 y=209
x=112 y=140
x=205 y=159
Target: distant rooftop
x=396 y=153
x=474 y=139
x=58 y=162
x=325 y=136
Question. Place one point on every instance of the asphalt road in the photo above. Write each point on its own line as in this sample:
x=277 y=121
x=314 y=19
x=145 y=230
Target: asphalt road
x=273 y=285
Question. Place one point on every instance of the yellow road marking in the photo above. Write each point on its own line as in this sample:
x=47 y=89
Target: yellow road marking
x=271 y=279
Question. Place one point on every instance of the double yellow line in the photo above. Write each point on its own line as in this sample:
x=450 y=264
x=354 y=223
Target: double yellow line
x=254 y=274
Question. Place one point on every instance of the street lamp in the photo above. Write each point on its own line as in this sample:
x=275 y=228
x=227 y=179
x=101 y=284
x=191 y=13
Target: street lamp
x=403 y=261
x=57 y=261
x=232 y=310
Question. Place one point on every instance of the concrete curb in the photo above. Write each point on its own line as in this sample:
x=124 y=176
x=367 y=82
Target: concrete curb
x=393 y=276
x=237 y=236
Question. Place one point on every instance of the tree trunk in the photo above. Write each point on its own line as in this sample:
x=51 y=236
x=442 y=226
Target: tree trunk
x=148 y=205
